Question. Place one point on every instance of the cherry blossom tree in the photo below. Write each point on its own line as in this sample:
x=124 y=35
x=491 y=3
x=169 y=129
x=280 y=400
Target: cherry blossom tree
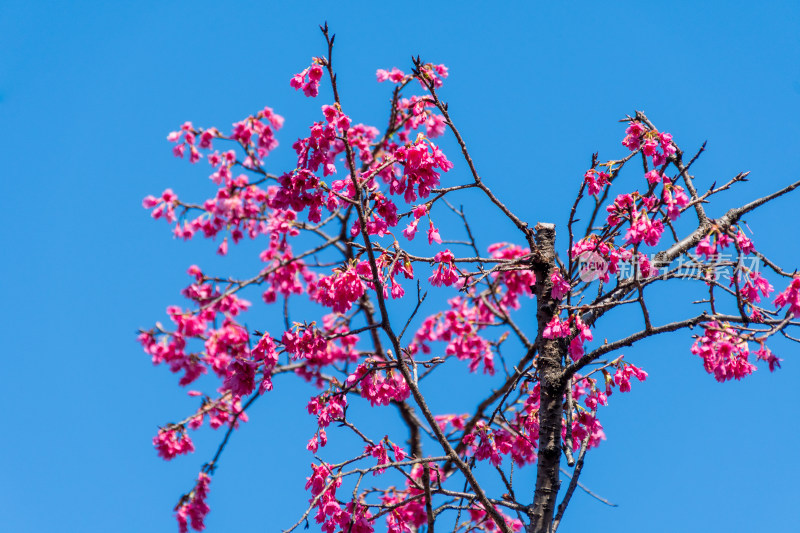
x=340 y=230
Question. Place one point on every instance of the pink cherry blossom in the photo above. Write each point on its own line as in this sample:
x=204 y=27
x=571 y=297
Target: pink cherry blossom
x=724 y=352
x=595 y=180
x=560 y=286
x=411 y=230
x=395 y=75
x=706 y=248
x=653 y=177
x=556 y=328
x=308 y=80
x=743 y=243
x=790 y=297
x=622 y=377
x=515 y=282
x=621 y=209
x=446 y=272
x=379 y=387
x=172 y=442
x=765 y=354
x=675 y=198
x=633 y=134
x=340 y=290
x=195 y=509
x=433 y=235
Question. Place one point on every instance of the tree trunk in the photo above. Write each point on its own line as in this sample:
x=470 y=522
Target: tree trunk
x=552 y=384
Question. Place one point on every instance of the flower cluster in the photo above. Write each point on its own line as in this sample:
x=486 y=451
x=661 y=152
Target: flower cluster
x=164 y=206
x=481 y=521
x=644 y=229
x=573 y=328
x=327 y=408
x=752 y=286
x=459 y=327
x=434 y=73
x=560 y=285
x=320 y=348
x=395 y=75
x=724 y=351
x=308 y=80
x=516 y=281
x=674 y=198
x=225 y=410
x=622 y=377
x=595 y=181
x=284 y=274
x=340 y=290
x=322 y=145
x=241 y=378
x=418 y=212
x=172 y=442
x=658 y=146
x=519 y=439
x=323 y=486
x=790 y=297
x=484 y=443
x=379 y=387
x=304 y=341
x=381 y=451
x=415 y=112
x=446 y=272
x=266 y=354
x=193 y=508
x=420 y=176
x=765 y=354
x=587 y=391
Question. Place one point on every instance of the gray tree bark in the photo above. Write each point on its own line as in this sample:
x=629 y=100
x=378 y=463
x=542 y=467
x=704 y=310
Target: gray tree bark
x=552 y=387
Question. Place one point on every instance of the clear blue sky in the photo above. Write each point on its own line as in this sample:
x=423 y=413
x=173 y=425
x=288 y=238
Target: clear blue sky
x=88 y=92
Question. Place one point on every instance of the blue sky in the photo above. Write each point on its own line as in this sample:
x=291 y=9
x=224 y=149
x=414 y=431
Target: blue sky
x=88 y=92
